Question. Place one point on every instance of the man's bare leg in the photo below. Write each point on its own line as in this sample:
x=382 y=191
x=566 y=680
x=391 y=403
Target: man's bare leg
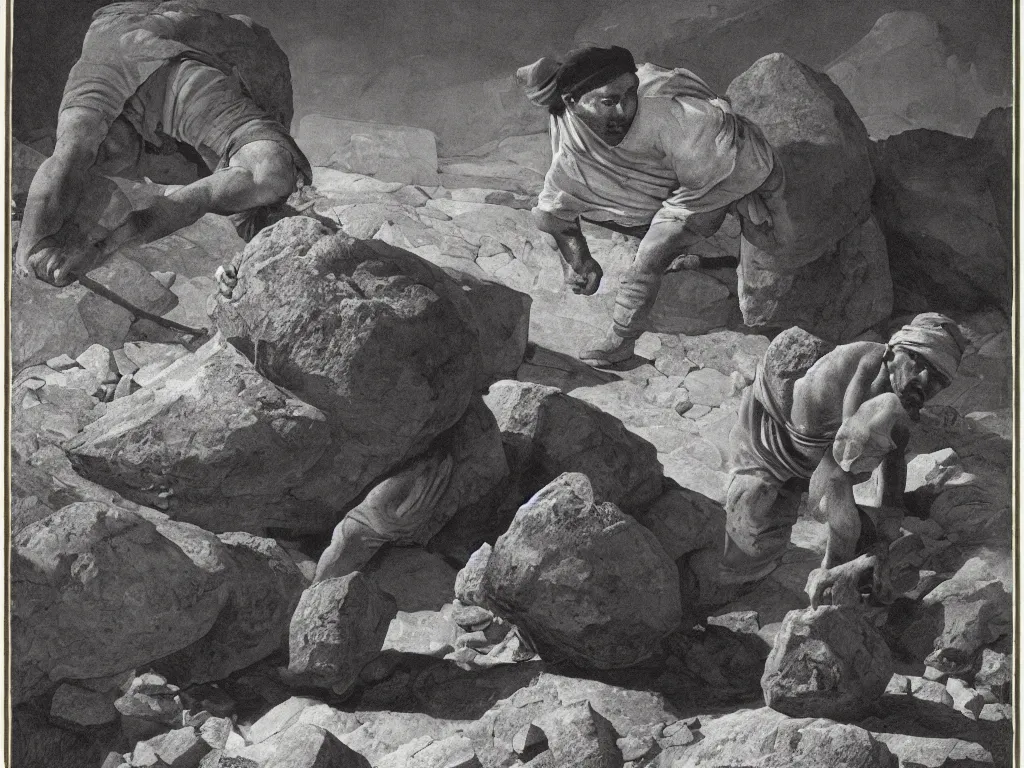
x=259 y=173
x=639 y=286
x=394 y=509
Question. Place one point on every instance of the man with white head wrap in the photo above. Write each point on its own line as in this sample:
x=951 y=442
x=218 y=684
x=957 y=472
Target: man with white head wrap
x=830 y=418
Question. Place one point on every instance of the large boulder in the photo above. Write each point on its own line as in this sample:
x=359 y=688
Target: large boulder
x=97 y=590
x=826 y=662
x=907 y=73
x=265 y=585
x=837 y=296
x=501 y=316
x=331 y=319
x=585 y=581
x=213 y=442
x=942 y=203
x=547 y=433
x=338 y=627
x=303 y=745
x=823 y=148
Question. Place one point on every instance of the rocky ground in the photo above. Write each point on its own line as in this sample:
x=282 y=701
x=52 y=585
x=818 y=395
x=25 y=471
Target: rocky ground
x=171 y=495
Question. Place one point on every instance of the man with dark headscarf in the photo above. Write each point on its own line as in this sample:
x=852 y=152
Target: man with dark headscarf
x=152 y=78
x=649 y=152
x=833 y=418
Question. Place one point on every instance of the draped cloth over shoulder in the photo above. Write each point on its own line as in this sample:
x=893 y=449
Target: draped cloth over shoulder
x=766 y=439
x=686 y=152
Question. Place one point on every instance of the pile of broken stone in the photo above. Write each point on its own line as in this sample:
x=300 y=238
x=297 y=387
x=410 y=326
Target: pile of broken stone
x=170 y=496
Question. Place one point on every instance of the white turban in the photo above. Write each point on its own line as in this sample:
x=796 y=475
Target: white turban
x=936 y=338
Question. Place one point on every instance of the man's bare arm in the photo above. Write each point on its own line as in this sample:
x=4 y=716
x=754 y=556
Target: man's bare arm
x=582 y=273
x=831 y=492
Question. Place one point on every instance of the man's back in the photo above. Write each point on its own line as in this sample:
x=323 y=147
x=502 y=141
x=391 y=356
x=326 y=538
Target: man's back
x=836 y=385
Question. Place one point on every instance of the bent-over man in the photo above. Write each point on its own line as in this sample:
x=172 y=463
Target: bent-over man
x=152 y=77
x=830 y=417
x=648 y=152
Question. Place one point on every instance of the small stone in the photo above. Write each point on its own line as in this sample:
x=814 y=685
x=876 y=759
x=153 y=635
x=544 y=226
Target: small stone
x=739 y=382
x=62 y=363
x=181 y=748
x=30 y=400
x=708 y=387
x=33 y=384
x=742 y=622
x=676 y=737
x=899 y=685
x=965 y=699
x=996 y=712
x=80 y=378
x=929 y=690
x=166 y=279
x=62 y=425
x=472 y=617
x=126 y=385
x=995 y=672
x=682 y=406
x=698 y=412
x=144 y=353
x=100 y=362
x=931 y=673
x=215 y=732
x=635 y=746
x=124 y=365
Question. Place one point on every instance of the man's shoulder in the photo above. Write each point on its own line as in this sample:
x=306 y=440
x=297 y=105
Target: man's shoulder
x=859 y=349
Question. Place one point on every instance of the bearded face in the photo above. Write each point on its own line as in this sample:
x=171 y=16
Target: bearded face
x=914 y=380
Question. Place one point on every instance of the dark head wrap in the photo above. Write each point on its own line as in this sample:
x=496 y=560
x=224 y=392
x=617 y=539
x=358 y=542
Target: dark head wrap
x=546 y=81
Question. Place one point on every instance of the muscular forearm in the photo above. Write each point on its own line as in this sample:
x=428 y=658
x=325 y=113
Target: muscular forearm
x=831 y=492
x=568 y=237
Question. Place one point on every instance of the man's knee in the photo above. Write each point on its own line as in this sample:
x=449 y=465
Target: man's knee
x=272 y=168
x=749 y=504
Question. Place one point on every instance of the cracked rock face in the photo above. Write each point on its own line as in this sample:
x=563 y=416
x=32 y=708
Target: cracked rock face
x=98 y=589
x=585 y=581
x=212 y=441
x=827 y=662
x=379 y=340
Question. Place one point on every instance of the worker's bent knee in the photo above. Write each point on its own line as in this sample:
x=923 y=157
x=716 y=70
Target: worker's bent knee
x=272 y=168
